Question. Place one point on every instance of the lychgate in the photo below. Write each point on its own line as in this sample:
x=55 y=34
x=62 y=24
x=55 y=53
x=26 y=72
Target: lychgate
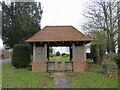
x=59 y=36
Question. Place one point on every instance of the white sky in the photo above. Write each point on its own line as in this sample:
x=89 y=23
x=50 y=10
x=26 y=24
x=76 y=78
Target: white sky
x=62 y=12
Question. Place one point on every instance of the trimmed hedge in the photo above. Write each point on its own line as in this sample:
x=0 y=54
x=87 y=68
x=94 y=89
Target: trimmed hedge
x=57 y=53
x=67 y=54
x=51 y=54
x=63 y=54
x=21 y=56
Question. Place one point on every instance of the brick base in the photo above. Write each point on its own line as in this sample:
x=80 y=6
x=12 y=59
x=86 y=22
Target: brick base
x=79 y=66
x=39 y=67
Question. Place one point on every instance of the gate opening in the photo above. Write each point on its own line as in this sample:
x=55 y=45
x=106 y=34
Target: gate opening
x=59 y=59
x=59 y=54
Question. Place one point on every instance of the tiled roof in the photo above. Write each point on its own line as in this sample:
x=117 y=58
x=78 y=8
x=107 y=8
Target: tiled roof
x=58 y=33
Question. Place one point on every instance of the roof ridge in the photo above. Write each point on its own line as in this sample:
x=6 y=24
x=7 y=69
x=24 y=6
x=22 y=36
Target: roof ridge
x=60 y=26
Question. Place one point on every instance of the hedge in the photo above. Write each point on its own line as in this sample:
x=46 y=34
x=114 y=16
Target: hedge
x=117 y=60
x=21 y=56
x=51 y=54
x=57 y=53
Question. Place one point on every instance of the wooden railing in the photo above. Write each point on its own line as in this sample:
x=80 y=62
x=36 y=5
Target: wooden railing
x=59 y=66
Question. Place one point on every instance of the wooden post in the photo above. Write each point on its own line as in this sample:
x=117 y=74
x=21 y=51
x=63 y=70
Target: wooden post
x=84 y=51
x=46 y=52
x=73 y=53
x=70 y=49
x=34 y=52
x=79 y=63
x=40 y=57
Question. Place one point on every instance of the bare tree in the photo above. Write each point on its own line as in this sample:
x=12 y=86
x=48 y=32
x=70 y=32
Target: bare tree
x=101 y=16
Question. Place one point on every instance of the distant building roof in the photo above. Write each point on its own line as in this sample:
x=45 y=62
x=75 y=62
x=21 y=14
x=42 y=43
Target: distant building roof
x=58 y=33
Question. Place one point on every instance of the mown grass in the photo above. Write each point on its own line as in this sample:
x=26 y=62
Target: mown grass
x=61 y=58
x=23 y=78
x=91 y=80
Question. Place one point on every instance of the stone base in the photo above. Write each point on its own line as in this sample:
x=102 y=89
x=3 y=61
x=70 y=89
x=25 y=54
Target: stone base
x=79 y=66
x=39 y=67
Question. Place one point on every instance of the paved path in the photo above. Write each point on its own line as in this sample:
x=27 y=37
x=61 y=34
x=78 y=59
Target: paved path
x=61 y=80
x=5 y=61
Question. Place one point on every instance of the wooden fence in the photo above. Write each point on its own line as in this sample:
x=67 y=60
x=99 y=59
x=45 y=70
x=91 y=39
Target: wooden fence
x=60 y=66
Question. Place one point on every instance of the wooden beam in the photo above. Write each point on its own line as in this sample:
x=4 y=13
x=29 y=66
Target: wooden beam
x=34 y=55
x=70 y=49
x=45 y=52
x=84 y=49
x=48 y=53
x=73 y=53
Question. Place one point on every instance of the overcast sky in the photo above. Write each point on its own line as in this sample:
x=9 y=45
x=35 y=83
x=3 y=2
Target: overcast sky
x=62 y=12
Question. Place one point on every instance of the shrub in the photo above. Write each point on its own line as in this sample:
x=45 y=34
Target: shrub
x=21 y=56
x=31 y=49
x=111 y=56
x=117 y=60
x=29 y=67
x=97 y=53
x=67 y=54
x=93 y=52
x=57 y=53
x=89 y=55
x=104 y=68
x=89 y=60
x=63 y=54
x=51 y=54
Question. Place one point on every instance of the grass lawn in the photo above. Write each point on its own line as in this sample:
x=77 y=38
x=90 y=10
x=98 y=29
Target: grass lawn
x=61 y=58
x=91 y=80
x=22 y=78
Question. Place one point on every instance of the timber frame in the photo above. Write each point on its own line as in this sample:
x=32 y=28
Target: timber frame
x=76 y=46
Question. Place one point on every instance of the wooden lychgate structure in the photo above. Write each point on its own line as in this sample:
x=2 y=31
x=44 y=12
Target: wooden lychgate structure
x=59 y=36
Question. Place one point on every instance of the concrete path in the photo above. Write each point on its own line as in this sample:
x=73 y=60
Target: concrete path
x=5 y=61
x=61 y=80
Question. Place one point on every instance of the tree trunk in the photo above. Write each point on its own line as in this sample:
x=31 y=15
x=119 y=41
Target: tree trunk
x=111 y=32
x=112 y=44
x=108 y=44
x=118 y=7
x=97 y=61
